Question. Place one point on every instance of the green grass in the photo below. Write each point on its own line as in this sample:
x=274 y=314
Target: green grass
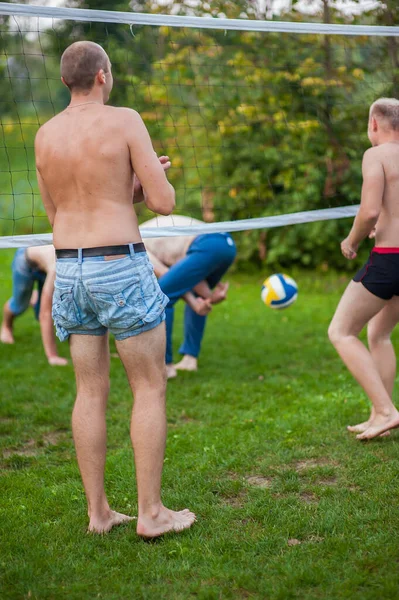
x=270 y=402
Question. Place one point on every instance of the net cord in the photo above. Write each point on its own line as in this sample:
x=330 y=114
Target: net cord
x=309 y=216
x=127 y=18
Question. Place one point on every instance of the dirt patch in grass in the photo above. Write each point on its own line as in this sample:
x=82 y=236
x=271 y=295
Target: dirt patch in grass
x=33 y=447
x=315 y=539
x=236 y=501
x=53 y=438
x=260 y=481
x=308 y=498
x=328 y=482
x=312 y=463
x=28 y=449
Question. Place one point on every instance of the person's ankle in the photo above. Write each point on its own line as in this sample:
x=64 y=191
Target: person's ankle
x=99 y=512
x=150 y=510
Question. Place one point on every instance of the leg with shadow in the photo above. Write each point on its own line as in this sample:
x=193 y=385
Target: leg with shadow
x=143 y=357
x=356 y=308
x=90 y=357
x=379 y=332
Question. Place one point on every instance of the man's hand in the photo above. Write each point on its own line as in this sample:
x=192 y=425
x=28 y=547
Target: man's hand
x=219 y=293
x=348 y=249
x=57 y=361
x=202 y=307
x=166 y=164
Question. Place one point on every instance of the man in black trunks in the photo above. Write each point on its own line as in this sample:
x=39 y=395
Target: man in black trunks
x=373 y=295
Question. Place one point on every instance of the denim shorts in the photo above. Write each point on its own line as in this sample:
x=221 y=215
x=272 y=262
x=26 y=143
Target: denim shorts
x=94 y=295
x=24 y=276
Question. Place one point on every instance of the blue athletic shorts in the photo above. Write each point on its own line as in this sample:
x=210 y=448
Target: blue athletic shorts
x=94 y=295
x=24 y=276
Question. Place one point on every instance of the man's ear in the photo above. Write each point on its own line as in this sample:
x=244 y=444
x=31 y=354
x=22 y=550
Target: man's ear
x=101 y=77
x=374 y=124
x=64 y=82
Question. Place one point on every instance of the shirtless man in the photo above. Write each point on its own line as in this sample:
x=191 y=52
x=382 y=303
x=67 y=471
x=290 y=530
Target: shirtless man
x=31 y=265
x=89 y=159
x=189 y=267
x=373 y=295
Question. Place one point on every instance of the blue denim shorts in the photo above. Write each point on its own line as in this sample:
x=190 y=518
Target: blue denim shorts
x=24 y=277
x=94 y=295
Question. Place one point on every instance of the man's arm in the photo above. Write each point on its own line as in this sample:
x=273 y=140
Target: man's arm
x=370 y=205
x=46 y=322
x=159 y=194
x=138 y=192
x=46 y=198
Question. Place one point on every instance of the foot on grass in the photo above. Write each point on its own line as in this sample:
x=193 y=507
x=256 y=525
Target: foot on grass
x=187 y=363
x=171 y=372
x=105 y=524
x=6 y=336
x=165 y=521
x=379 y=425
x=360 y=427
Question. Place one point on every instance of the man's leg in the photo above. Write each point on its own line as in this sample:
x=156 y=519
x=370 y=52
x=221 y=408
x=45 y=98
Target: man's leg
x=6 y=333
x=356 y=308
x=143 y=357
x=379 y=339
x=194 y=328
x=169 y=318
x=90 y=357
x=194 y=325
x=22 y=286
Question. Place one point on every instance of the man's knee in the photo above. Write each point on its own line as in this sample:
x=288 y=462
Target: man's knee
x=335 y=333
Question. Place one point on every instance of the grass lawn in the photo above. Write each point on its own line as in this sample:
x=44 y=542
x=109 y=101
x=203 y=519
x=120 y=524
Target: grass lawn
x=289 y=505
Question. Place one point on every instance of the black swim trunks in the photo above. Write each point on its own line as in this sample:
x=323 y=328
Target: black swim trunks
x=380 y=274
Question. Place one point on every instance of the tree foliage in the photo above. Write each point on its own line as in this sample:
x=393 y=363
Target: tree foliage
x=255 y=124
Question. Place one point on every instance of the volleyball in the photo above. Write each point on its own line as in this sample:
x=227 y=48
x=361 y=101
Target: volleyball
x=279 y=291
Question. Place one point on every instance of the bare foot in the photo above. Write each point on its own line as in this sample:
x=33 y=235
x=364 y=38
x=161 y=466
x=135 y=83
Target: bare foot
x=187 y=363
x=57 y=361
x=6 y=335
x=360 y=427
x=380 y=424
x=171 y=372
x=105 y=525
x=166 y=521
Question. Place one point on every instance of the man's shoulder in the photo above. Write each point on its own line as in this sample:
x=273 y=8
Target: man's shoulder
x=372 y=152
x=46 y=128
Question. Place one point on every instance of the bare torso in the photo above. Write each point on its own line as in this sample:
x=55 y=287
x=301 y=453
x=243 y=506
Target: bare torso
x=169 y=250
x=83 y=157
x=387 y=231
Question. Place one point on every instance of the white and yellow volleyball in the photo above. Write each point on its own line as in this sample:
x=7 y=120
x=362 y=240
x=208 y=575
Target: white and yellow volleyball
x=279 y=291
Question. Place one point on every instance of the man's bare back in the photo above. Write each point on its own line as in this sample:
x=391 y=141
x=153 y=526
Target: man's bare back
x=387 y=230
x=84 y=157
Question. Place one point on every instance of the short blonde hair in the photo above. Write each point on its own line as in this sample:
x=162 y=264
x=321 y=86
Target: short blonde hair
x=387 y=110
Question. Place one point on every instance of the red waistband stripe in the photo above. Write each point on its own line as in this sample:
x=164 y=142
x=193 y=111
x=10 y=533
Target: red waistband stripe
x=381 y=250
